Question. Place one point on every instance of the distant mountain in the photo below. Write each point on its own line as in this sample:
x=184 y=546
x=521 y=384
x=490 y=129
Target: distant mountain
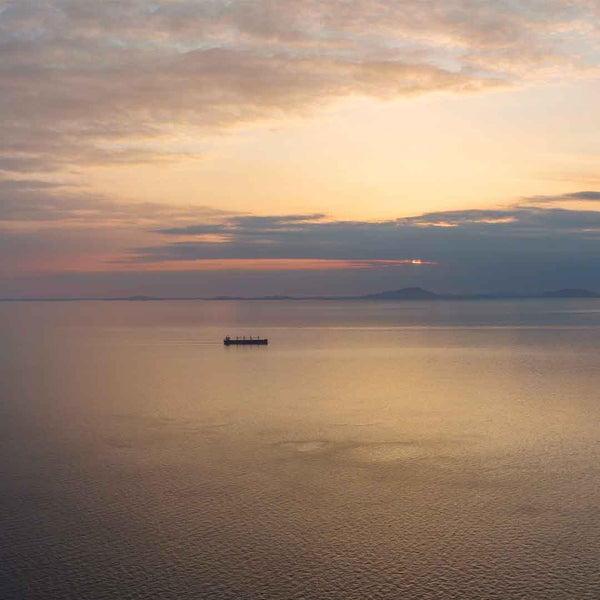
x=249 y=298
x=417 y=293
x=409 y=293
x=571 y=293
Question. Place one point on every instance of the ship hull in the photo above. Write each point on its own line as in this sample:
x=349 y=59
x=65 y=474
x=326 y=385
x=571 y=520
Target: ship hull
x=246 y=342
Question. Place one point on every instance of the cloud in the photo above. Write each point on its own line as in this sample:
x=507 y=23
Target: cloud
x=249 y=224
x=439 y=237
x=585 y=196
x=35 y=203
x=87 y=82
x=176 y=232
x=47 y=228
x=206 y=233
x=512 y=221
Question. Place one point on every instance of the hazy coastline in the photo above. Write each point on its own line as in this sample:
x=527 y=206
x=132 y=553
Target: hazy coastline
x=401 y=294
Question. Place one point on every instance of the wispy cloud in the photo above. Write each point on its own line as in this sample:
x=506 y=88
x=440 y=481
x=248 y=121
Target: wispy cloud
x=36 y=203
x=585 y=196
x=77 y=75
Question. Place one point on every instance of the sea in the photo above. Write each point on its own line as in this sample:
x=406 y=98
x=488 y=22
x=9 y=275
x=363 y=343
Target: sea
x=373 y=450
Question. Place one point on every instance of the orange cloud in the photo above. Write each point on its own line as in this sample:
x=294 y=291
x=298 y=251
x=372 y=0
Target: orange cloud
x=94 y=265
x=272 y=264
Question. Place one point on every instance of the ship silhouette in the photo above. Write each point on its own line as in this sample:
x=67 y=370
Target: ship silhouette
x=245 y=341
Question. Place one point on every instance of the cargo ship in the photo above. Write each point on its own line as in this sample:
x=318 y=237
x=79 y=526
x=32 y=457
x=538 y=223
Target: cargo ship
x=245 y=341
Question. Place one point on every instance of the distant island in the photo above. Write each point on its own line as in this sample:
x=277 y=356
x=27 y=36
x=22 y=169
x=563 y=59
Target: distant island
x=409 y=293
x=417 y=293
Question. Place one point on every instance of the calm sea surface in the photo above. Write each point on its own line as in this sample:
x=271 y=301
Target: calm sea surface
x=431 y=450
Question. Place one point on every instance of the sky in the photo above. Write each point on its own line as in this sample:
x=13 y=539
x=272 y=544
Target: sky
x=235 y=147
